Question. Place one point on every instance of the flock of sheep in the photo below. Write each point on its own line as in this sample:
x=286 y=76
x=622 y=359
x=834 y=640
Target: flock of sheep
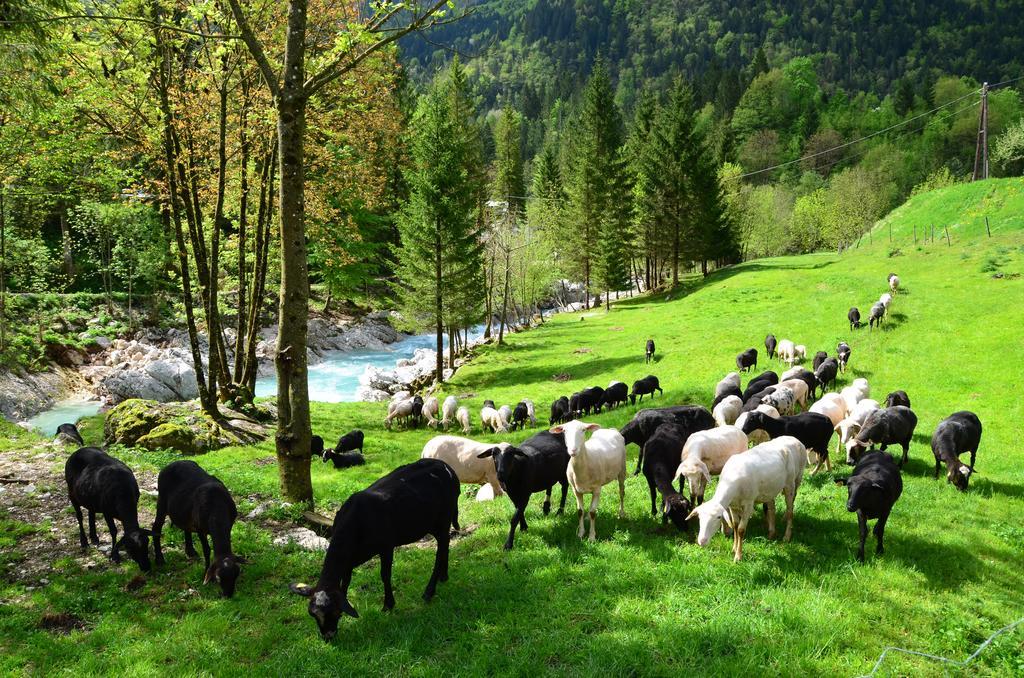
x=779 y=416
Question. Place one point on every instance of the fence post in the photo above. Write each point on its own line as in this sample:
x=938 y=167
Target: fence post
x=989 y=230
x=947 y=236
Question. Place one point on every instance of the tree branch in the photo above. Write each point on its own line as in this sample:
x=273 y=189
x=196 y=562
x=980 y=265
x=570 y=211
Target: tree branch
x=108 y=17
x=256 y=49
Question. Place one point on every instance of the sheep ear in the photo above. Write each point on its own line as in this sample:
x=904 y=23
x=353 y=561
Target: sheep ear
x=347 y=608
x=301 y=590
x=593 y=427
x=211 y=574
x=694 y=514
x=556 y=429
x=727 y=517
x=488 y=453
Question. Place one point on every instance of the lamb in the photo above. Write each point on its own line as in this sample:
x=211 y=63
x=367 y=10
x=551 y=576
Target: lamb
x=832 y=406
x=958 y=433
x=519 y=416
x=787 y=352
x=531 y=411
x=769 y=345
x=616 y=394
x=559 y=411
x=826 y=374
x=339 y=459
x=843 y=352
x=68 y=433
x=593 y=464
x=448 y=410
x=897 y=398
x=462 y=416
x=854 y=421
x=198 y=502
x=894 y=283
x=645 y=422
x=400 y=508
x=726 y=412
x=876 y=315
x=854 y=317
x=819 y=358
x=747 y=360
x=704 y=455
x=661 y=456
x=757 y=436
x=813 y=430
x=800 y=353
x=892 y=425
x=102 y=484
x=758 y=475
x=649 y=352
x=537 y=465
x=430 y=409
x=872 y=490
x=855 y=392
x=491 y=419
x=462 y=455
x=401 y=410
x=782 y=398
x=646 y=386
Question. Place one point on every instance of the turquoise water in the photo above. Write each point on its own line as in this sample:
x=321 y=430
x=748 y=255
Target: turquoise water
x=63 y=412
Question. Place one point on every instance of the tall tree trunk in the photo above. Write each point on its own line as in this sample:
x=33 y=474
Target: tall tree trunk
x=675 y=255
x=293 y=426
x=243 y=224
x=219 y=369
x=438 y=303
x=489 y=296
x=264 y=217
x=504 y=301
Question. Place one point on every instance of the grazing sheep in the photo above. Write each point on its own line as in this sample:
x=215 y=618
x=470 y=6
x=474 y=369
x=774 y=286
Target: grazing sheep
x=757 y=476
x=757 y=399
x=353 y=440
x=490 y=403
x=490 y=418
x=727 y=384
x=537 y=465
x=593 y=464
x=855 y=392
x=399 y=396
x=894 y=283
x=505 y=413
x=854 y=317
x=704 y=455
x=616 y=394
x=102 y=484
x=787 y=352
x=401 y=410
x=559 y=411
x=531 y=411
x=832 y=406
x=733 y=393
x=872 y=490
x=649 y=352
x=400 y=508
x=769 y=345
x=800 y=353
x=826 y=374
x=661 y=457
x=799 y=389
x=955 y=435
x=759 y=383
x=854 y=421
x=804 y=375
x=725 y=412
x=782 y=398
x=646 y=386
x=590 y=400
x=430 y=409
x=892 y=425
x=417 y=410
x=462 y=455
x=876 y=315
x=810 y=428
x=339 y=459
x=885 y=300
x=757 y=436
x=819 y=358
x=462 y=416
x=843 y=352
x=897 y=398
x=68 y=433
x=519 y=416
x=448 y=410
x=574 y=405
x=198 y=502
x=642 y=426
x=747 y=360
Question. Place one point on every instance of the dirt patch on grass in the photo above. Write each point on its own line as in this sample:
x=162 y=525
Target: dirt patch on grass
x=264 y=461
x=61 y=622
x=582 y=349
x=561 y=377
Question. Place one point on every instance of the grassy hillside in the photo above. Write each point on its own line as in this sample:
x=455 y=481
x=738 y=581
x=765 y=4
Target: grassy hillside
x=641 y=600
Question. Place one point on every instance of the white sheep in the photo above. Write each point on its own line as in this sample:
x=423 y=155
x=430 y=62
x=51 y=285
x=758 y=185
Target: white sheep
x=461 y=455
x=704 y=455
x=894 y=282
x=758 y=435
x=757 y=476
x=398 y=410
x=593 y=464
x=448 y=409
x=799 y=388
x=531 y=412
x=800 y=353
x=430 y=409
x=725 y=412
x=786 y=351
x=490 y=418
x=462 y=416
x=833 y=406
x=400 y=396
x=851 y=425
x=782 y=398
x=505 y=412
x=730 y=382
x=791 y=373
x=854 y=393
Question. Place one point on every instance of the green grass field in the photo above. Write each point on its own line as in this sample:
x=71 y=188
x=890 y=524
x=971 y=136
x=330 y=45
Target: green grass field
x=641 y=600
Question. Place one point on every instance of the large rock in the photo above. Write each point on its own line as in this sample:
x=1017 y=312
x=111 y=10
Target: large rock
x=171 y=378
x=182 y=427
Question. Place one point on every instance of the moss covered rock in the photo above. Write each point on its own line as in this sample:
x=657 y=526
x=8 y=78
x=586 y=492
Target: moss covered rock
x=173 y=436
x=132 y=419
x=182 y=427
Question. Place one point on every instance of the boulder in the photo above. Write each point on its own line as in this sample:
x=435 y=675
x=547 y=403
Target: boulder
x=182 y=427
x=302 y=537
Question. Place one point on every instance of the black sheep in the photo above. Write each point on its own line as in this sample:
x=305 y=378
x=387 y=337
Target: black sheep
x=417 y=410
x=660 y=462
x=490 y=403
x=574 y=405
x=339 y=459
x=649 y=352
x=843 y=352
x=872 y=490
x=819 y=358
x=353 y=440
x=751 y=403
x=810 y=428
x=198 y=502
x=826 y=374
x=400 y=508
x=590 y=399
x=887 y=426
x=759 y=383
x=806 y=376
x=559 y=411
x=519 y=416
x=646 y=386
x=616 y=394
x=955 y=435
x=537 y=465
x=102 y=484
x=854 y=317
x=897 y=398
x=731 y=391
x=747 y=360
x=69 y=433
x=691 y=418
x=769 y=345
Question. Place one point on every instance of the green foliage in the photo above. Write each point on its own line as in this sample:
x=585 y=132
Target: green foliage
x=1008 y=150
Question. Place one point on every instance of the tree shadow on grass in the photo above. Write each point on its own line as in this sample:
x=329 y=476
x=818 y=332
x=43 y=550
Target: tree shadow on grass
x=579 y=371
x=981 y=485
x=894 y=321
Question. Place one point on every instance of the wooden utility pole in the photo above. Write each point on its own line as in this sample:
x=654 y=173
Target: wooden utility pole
x=981 y=150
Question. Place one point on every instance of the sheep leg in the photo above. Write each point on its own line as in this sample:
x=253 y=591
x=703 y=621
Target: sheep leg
x=579 y=512
x=522 y=521
x=639 y=461
x=81 y=528
x=974 y=453
x=595 y=499
x=386 y=559
x=92 y=528
x=206 y=548
x=158 y=527
x=770 y=515
x=190 y=550
x=650 y=486
x=440 y=572
x=512 y=529
x=790 y=500
x=115 y=552
x=938 y=464
x=622 y=494
x=561 y=504
x=546 y=507
x=741 y=531
x=879 y=534
x=906 y=454
x=862 y=525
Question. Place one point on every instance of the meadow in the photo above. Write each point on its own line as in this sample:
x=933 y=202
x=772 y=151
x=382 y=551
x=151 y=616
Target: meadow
x=643 y=600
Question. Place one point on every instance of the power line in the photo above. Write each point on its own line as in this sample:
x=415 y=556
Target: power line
x=1005 y=82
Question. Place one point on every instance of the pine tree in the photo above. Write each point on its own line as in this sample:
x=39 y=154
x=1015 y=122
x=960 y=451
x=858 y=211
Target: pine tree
x=509 y=184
